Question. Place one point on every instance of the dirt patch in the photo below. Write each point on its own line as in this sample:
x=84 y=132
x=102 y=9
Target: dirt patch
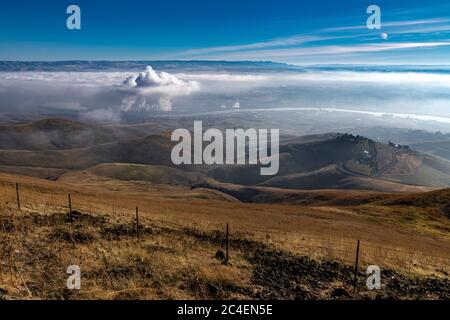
x=118 y=231
x=446 y=210
x=210 y=289
x=282 y=275
x=6 y=224
x=77 y=236
x=63 y=218
x=219 y=238
x=160 y=248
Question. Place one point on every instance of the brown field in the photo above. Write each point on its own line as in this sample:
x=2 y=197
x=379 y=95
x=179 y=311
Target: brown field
x=181 y=231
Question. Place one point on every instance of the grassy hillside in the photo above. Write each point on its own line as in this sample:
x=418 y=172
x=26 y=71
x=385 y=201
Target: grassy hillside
x=439 y=199
x=332 y=178
x=55 y=133
x=52 y=147
x=304 y=157
x=51 y=134
x=436 y=148
x=176 y=257
x=419 y=169
x=347 y=162
x=153 y=150
x=137 y=172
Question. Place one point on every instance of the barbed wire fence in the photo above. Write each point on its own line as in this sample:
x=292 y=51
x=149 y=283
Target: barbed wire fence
x=409 y=262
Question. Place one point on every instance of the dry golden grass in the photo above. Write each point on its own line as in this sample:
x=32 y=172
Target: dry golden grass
x=172 y=261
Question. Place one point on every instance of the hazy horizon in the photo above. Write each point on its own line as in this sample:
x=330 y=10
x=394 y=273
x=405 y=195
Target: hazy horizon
x=121 y=91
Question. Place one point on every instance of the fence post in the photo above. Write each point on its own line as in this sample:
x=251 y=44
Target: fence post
x=17 y=195
x=356 y=266
x=1 y=272
x=70 y=204
x=137 y=224
x=227 y=245
x=410 y=263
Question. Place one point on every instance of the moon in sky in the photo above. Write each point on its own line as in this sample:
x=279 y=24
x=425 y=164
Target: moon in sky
x=384 y=36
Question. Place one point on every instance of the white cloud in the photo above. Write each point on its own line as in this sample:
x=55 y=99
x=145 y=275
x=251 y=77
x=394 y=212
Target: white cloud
x=152 y=91
x=102 y=115
x=149 y=103
x=237 y=105
x=103 y=96
x=228 y=77
x=403 y=23
x=328 y=51
x=151 y=78
x=293 y=49
x=405 y=79
x=281 y=42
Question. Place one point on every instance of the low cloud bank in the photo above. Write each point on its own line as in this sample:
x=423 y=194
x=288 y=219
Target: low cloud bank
x=121 y=96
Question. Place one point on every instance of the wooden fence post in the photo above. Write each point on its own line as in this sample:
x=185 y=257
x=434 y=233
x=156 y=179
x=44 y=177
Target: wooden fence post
x=227 y=244
x=1 y=272
x=356 y=266
x=17 y=195
x=70 y=204
x=410 y=264
x=137 y=224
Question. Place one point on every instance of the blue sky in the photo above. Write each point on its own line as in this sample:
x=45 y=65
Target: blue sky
x=299 y=32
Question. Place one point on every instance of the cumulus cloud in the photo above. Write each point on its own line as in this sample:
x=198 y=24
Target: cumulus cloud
x=237 y=105
x=151 y=78
x=151 y=90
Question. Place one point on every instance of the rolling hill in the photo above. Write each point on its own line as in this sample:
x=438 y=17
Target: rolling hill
x=53 y=134
x=180 y=234
x=135 y=172
x=63 y=134
x=54 y=147
x=433 y=199
x=344 y=162
x=154 y=150
x=436 y=148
